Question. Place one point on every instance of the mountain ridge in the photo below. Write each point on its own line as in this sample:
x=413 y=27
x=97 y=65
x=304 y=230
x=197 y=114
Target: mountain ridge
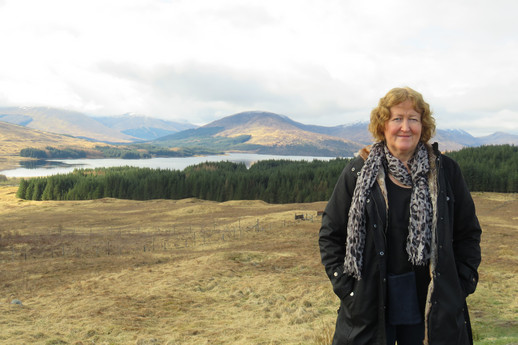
x=280 y=133
x=249 y=131
x=67 y=122
x=266 y=133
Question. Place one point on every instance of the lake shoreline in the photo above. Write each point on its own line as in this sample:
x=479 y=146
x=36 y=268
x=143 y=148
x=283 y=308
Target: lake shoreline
x=64 y=166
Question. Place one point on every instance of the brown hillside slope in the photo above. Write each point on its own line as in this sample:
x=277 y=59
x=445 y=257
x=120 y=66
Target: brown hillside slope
x=14 y=138
x=67 y=122
x=198 y=272
x=270 y=129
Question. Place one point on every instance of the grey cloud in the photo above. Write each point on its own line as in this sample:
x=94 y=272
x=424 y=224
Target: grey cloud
x=195 y=81
x=210 y=83
x=202 y=89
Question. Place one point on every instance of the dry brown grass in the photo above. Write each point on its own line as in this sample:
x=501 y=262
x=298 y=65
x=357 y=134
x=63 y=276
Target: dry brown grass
x=240 y=272
x=494 y=306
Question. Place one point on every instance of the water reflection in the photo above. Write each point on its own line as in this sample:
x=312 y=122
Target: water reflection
x=42 y=164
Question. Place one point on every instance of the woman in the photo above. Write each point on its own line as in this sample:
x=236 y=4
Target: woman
x=400 y=240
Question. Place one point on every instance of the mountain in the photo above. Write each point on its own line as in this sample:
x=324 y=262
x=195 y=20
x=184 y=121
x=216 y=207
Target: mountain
x=265 y=133
x=14 y=138
x=453 y=139
x=142 y=127
x=357 y=132
x=61 y=121
x=251 y=131
x=269 y=133
x=499 y=138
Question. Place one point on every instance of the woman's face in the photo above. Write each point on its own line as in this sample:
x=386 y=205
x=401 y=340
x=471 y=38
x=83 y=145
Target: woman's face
x=403 y=130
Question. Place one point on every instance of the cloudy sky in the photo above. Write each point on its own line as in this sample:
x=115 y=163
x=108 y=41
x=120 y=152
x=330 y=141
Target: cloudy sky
x=318 y=62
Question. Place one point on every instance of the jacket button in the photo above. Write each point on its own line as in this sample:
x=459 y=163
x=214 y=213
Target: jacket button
x=382 y=253
x=375 y=226
x=353 y=169
x=351 y=294
x=368 y=200
x=335 y=274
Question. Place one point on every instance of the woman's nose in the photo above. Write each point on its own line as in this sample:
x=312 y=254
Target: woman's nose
x=405 y=125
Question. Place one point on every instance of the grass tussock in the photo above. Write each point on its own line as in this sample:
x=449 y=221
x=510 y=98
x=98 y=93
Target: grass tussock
x=196 y=272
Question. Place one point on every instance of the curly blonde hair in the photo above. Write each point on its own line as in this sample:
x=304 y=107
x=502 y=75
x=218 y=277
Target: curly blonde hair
x=381 y=114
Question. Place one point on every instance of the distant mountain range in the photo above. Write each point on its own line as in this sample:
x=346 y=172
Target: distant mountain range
x=143 y=127
x=116 y=129
x=60 y=121
x=253 y=131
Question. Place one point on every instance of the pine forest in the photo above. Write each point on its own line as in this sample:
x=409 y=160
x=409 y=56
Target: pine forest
x=486 y=169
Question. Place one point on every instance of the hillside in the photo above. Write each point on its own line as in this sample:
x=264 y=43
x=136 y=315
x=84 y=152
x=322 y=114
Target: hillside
x=265 y=133
x=62 y=122
x=13 y=138
x=251 y=131
x=269 y=129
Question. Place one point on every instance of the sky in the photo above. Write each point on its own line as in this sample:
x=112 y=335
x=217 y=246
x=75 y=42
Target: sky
x=317 y=62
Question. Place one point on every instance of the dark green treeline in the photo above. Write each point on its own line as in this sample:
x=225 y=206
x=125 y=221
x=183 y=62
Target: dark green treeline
x=486 y=168
x=492 y=168
x=274 y=181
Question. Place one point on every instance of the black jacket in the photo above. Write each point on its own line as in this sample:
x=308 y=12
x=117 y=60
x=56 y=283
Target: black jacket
x=456 y=256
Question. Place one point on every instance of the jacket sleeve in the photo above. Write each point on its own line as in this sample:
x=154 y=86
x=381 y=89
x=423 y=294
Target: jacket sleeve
x=466 y=230
x=333 y=231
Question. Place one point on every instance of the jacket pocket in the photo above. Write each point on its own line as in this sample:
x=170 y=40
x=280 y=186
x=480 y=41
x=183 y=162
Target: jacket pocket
x=342 y=283
x=468 y=279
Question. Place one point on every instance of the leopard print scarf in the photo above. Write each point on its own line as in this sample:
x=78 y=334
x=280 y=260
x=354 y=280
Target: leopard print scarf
x=419 y=227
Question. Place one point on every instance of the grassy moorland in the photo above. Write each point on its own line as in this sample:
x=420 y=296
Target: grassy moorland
x=198 y=272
